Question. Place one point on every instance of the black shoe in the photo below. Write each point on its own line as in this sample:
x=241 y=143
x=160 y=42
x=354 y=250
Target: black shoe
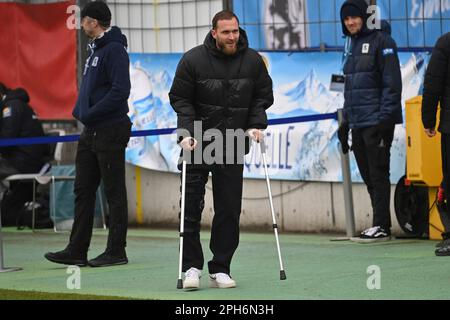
x=68 y=257
x=107 y=259
x=443 y=251
x=443 y=243
x=445 y=240
x=374 y=234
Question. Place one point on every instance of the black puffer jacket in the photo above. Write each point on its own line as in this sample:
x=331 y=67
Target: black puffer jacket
x=19 y=121
x=224 y=92
x=373 y=83
x=436 y=87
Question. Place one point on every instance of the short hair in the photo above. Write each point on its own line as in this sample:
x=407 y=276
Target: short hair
x=223 y=15
x=3 y=89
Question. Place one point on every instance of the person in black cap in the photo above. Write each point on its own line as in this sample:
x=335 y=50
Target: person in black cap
x=102 y=107
x=99 y=11
x=18 y=120
x=372 y=108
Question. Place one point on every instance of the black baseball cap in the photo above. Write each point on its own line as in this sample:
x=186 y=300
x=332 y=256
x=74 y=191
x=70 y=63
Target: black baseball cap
x=97 y=10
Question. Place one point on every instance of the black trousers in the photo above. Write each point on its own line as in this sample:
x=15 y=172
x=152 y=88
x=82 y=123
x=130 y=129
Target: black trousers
x=13 y=200
x=372 y=150
x=101 y=156
x=6 y=169
x=445 y=153
x=227 y=195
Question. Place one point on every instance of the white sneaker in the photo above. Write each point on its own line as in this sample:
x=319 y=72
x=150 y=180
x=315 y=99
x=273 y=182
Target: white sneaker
x=192 y=279
x=221 y=280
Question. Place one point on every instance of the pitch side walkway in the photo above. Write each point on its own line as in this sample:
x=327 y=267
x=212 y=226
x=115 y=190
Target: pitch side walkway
x=316 y=268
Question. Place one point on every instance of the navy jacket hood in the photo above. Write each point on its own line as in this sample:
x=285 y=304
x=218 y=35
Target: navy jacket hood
x=362 y=6
x=386 y=27
x=17 y=94
x=113 y=35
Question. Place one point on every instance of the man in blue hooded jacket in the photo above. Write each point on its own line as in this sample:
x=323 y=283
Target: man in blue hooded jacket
x=373 y=89
x=102 y=107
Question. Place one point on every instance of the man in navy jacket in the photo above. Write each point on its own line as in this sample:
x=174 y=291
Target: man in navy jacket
x=102 y=107
x=373 y=89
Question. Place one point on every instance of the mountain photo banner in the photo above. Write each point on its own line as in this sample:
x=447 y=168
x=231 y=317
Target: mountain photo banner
x=300 y=151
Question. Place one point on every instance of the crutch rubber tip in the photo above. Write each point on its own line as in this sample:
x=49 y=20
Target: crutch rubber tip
x=180 y=284
x=282 y=275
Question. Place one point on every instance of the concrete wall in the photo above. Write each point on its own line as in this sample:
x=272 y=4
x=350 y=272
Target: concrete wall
x=299 y=206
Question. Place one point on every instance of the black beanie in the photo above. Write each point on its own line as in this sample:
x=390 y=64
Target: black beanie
x=97 y=10
x=350 y=10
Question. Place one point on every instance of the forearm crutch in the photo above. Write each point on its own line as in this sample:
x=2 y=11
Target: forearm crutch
x=183 y=198
x=274 y=221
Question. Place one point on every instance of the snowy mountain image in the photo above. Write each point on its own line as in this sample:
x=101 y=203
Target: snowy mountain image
x=146 y=112
x=161 y=82
x=308 y=96
x=312 y=151
x=317 y=153
x=412 y=75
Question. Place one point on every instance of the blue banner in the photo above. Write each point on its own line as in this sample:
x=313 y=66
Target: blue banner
x=295 y=24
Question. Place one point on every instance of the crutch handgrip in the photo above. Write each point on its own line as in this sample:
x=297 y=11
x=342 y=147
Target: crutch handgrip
x=263 y=145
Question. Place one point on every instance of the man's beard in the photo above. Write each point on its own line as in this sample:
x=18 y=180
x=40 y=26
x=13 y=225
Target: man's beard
x=226 y=49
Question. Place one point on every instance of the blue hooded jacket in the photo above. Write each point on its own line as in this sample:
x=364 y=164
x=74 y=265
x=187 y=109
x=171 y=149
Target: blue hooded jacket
x=105 y=88
x=373 y=82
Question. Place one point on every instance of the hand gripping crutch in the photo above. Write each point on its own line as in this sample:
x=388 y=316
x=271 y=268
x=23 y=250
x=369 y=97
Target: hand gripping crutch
x=183 y=198
x=275 y=227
